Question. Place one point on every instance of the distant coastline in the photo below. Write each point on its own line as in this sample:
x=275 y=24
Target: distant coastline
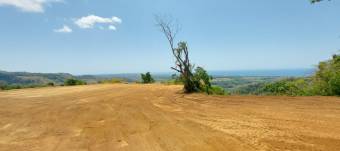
x=303 y=72
x=273 y=72
x=27 y=78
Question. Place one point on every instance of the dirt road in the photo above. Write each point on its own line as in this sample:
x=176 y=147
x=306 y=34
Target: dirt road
x=158 y=117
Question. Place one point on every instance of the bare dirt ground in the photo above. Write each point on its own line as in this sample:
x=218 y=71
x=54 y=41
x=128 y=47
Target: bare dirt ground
x=158 y=117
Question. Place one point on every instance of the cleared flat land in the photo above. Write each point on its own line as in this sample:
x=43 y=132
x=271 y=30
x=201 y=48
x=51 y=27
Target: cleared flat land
x=158 y=117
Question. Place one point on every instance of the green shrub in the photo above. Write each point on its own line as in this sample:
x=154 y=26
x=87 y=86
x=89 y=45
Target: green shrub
x=251 y=88
x=217 y=90
x=290 y=86
x=10 y=87
x=147 y=78
x=50 y=84
x=19 y=86
x=203 y=84
x=334 y=83
x=201 y=80
x=72 y=82
x=326 y=80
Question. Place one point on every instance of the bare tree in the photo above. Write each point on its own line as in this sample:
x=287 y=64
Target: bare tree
x=170 y=28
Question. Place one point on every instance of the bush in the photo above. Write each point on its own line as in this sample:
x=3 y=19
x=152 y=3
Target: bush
x=326 y=80
x=3 y=87
x=72 y=82
x=217 y=90
x=147 y=78
x=10 y=87
x=50 y=84
x=203 y=84
x=290 y=86
x=249 y=89
x=20 y=86
x=202 y=80
x=334 y=83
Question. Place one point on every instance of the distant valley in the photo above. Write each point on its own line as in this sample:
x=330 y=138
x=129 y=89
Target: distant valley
x=231 y=81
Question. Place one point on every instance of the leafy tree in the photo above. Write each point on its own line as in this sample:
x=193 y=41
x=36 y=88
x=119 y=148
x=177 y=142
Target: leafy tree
x=147 y=78
x=290 y=86
x=202 y=79
x=326 y=80
x=180 y=53
x=203 y=82
x=193 y=82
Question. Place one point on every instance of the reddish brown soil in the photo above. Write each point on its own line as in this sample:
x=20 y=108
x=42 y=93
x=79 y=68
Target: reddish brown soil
x=158 y=117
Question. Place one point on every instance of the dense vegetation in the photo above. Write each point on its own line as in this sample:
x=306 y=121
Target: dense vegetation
x=25 y=78
x=72 y=82
x=326 y=82
x=18 y=86
x=180 y=52
x=202 y=82
x=242 y=84
x=147 y=78
x=19 y=80
x=289 y=86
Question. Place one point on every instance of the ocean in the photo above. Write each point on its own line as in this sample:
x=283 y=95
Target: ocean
x=275 y=72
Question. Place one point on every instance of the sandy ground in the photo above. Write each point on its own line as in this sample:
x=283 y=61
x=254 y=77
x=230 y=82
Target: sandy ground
x=158 y=117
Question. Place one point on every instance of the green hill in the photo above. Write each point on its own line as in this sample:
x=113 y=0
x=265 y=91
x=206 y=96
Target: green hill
x=26 y=78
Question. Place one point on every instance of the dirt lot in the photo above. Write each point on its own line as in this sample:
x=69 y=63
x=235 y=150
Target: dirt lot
x=158 y=117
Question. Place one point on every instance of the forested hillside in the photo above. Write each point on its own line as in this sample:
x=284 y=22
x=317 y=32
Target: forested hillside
x=26 y=78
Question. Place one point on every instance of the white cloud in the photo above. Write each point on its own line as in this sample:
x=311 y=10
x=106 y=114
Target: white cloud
x=91 y=21
x=116 y=19
x=36 y=6
x=64 y=29
x=111 y=27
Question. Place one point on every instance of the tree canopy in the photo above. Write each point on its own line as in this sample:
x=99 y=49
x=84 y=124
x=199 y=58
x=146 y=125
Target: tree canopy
x=147 y=78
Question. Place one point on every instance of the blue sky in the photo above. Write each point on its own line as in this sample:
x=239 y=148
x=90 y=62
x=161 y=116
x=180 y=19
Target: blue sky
x=120 y=36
